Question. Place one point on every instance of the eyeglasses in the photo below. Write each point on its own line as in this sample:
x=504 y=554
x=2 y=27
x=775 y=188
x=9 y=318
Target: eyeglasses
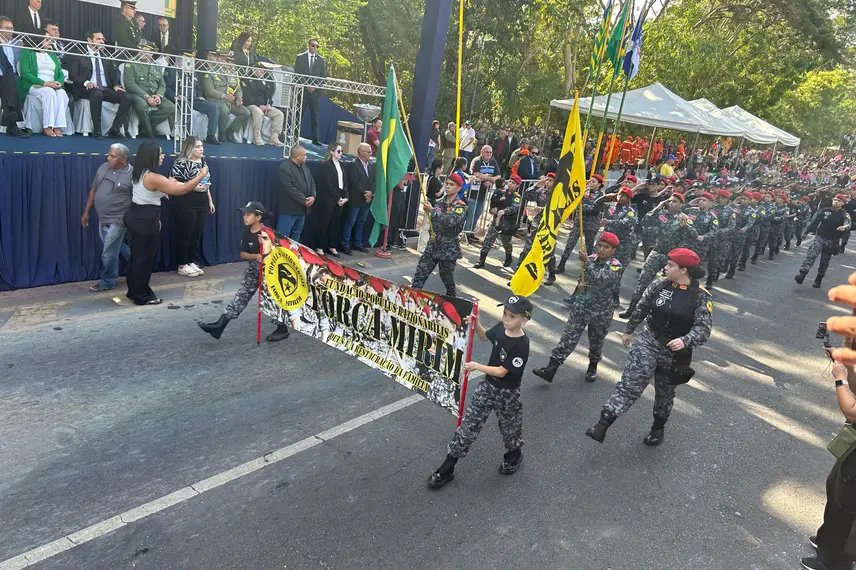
x=313 y=45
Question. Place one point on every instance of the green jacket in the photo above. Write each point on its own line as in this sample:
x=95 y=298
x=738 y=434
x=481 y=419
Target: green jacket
x=30 y=71
x=215 y=86
x=144 y=80
x=127 y=33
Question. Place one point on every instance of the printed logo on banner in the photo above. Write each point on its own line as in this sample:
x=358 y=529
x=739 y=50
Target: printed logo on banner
x=285 y=280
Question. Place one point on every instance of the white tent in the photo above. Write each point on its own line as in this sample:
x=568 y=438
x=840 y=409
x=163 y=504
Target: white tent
x=656 y=106
x=761 y=126
x=749 y=133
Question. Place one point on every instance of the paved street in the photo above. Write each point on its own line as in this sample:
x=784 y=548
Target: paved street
x=105 y=407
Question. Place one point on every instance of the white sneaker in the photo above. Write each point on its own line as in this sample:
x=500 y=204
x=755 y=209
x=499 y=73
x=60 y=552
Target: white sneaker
x=187 y=271
x=196 y=268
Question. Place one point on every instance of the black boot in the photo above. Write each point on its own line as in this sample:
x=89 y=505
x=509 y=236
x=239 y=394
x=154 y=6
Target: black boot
x=655 y=436
x=799 y=242
x=215 y=329
x=788 y=245
x=591 y=371
x=443 y=474
x=281 y=333
x=817 y=281
x=508 y=261
x=800 y=277
x=709 y=281
x=598 y=431
x=741 y=266
x=770 y=257
x=480 y=264
x=730 y=274
x=549 y=371
x=626 y=314
x=561 y=268
x=511 y=461
x=551 y=278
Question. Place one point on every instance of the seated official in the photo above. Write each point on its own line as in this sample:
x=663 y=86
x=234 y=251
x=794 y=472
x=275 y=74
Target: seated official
x=97 y=79
x=42 y=78
x=10 y=112
x=224 y=89
x=207 y=108
x=258 y=98
x=144 y=82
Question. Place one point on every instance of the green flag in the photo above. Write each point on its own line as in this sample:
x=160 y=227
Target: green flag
x=615 y=46
x=393 y=155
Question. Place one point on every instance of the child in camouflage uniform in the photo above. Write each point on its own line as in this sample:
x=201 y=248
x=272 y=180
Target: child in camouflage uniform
x=251 y=250
x=500 y=392
x=505 y=207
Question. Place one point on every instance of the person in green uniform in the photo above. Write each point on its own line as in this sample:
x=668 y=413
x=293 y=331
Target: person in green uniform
x=126 y=32
x=224 y=89
x=144 y=82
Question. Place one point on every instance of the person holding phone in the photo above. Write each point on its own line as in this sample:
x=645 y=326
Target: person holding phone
x=191 y=210
x=839 y=514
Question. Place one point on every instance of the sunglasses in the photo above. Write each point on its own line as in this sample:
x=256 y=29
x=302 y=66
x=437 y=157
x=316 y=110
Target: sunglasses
x=313 y=45
x=338 y=151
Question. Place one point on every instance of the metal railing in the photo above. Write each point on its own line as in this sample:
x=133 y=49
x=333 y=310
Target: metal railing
x=289 y=85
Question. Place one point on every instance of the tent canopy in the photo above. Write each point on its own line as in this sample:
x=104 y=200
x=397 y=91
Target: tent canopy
x=656 y=106
x=760 y=125
x=749 y=133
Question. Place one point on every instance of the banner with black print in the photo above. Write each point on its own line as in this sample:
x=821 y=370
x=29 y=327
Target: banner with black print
x=415 y=337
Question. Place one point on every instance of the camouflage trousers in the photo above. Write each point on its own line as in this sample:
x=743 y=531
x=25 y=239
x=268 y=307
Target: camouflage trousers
x=738 y=241
x=648 y=358
x=774 y=238
x=249 y=287
x=447 y=273
x=653 y=266
x=551 y=265
x=822 y=247
x=590 y=228
x=761 y=242
x=799 y=230
x=580 y=317
x=485 y=399
x=490 y=239
x=789 y=231
x=748 y=242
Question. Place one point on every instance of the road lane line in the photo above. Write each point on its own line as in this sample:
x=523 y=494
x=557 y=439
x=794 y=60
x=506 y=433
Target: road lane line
x=140 y=512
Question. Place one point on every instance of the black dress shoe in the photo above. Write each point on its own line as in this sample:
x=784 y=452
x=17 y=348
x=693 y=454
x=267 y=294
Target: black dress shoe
x=316 y=142
x=144 y=135
x=115 y=134
x=99 y=137
x=361 y=249
x=331 y=254
x=347 y=252
x=14 y=131
x=211 y=139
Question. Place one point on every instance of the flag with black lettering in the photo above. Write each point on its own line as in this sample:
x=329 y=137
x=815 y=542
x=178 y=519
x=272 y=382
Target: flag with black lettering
x=564 y=199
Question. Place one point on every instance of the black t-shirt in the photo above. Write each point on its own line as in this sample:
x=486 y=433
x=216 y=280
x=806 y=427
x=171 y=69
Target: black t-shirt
x=250 y=241
x=510 y=353
x=645 y=203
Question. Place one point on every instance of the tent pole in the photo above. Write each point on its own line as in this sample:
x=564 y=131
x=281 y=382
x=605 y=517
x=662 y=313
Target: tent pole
x=547 y=128
x=650 y=148
x=695 y=142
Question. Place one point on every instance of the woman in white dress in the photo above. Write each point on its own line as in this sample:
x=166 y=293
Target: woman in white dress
x=42 y=78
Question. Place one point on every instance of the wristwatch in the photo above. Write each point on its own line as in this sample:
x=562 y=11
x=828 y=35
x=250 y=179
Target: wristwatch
x=839 y=383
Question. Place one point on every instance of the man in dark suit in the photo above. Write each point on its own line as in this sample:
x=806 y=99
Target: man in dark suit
x=503 y=146
x=361 y=183
x=10 y=112
x=311 y=63
x=163 y=39
x=30 y=20
x=97 y=79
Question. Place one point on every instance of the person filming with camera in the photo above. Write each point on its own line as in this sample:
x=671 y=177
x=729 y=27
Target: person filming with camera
x=840 y=511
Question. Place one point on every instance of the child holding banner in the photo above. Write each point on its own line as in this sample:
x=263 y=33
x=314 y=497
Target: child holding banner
x=500 y=392
x=254 y=235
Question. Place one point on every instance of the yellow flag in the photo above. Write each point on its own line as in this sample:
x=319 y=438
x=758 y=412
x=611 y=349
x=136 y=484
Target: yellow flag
x=566 y=197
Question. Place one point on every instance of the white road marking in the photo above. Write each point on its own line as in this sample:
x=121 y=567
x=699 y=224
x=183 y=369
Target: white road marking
x=107 y=526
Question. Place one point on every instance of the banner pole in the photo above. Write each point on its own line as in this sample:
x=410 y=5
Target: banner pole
x=475 y=316
x=383 y=252
x=259 y=295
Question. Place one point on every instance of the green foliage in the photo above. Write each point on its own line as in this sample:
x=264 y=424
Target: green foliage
x=763 y=55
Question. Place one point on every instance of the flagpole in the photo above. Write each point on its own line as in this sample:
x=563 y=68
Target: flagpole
x=617 y=124
x=460 y=64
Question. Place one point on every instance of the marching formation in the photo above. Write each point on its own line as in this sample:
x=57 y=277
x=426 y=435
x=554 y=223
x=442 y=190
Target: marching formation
x=691 y=234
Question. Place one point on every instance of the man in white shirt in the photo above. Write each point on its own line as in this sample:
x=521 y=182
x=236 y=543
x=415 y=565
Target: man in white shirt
x=95 y=78
x=467 y=141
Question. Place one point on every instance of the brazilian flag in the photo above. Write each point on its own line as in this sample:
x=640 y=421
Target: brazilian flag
x=393 y=156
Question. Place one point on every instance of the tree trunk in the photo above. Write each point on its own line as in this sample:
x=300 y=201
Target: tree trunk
x=368 y=33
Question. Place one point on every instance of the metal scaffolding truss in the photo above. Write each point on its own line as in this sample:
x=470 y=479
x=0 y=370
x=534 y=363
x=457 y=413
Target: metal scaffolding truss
x=288 y=92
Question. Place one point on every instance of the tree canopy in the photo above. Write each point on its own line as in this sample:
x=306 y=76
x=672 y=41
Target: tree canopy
x=788 y=61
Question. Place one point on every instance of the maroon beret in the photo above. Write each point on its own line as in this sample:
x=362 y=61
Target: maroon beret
x=684 y=257
x=609 y=238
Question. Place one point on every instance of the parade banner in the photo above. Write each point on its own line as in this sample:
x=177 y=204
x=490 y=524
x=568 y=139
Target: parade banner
x=415 y=337
x=566 y=197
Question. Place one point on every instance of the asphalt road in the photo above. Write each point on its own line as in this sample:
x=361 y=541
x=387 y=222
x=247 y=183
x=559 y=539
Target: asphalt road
x=105 y=407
